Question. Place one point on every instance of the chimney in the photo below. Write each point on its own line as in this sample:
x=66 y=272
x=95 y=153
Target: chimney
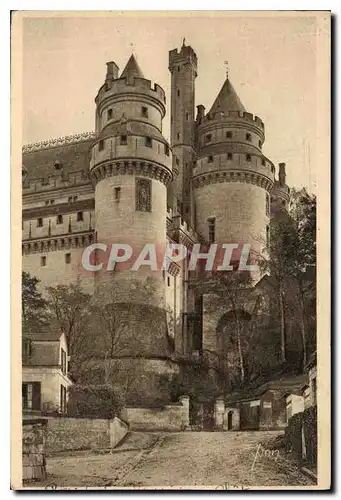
x=200 y=112
x=112 y=71
x=281 y=174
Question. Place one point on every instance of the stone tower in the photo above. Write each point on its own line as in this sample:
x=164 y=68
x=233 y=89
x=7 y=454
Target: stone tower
x=232 y=178
x=183 y=68
x=131 y=166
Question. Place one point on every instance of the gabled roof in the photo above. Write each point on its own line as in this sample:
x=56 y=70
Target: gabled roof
x=227 y=100
x=132 y=69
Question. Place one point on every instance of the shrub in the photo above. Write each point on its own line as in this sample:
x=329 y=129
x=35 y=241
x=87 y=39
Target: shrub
x=101 y=401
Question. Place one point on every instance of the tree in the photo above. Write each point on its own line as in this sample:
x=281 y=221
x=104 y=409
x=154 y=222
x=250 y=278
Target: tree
x=34 y=312
x=70 y=311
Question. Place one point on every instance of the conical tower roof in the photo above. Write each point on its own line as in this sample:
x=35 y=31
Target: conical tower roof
x=227 y=100
x=132 y=69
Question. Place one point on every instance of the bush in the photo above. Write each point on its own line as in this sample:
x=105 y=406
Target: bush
x=101 y=401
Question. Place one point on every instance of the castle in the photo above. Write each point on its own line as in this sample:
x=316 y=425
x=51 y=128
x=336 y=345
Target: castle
x=124 y=183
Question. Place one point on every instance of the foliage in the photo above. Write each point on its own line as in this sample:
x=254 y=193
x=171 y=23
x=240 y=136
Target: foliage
x=102 y=401
x=34 y=313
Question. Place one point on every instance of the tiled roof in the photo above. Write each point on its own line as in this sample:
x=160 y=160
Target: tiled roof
x=40 y=163
x=227 y=100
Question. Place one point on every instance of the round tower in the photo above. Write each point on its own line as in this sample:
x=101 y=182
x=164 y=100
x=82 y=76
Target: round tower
x=131 y=166
x=232 y=178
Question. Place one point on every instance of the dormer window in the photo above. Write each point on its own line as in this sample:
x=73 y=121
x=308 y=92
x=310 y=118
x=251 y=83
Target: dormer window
x=123 y=140
x=144 y=111
x=148 y=142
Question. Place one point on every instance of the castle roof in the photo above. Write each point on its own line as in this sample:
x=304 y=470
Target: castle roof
x=73 y=156
x=132 y=69
x=227 y=100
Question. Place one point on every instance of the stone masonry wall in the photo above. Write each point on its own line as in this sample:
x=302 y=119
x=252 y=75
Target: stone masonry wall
x=33 y=456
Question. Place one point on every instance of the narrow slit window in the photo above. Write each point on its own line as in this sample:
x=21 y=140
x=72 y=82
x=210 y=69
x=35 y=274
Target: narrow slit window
x=40 y=222
x=43 y=261
x=229 y=135
x=79 y=216
x=59 y=219
x=101 y=145
x=117 y=193
x=144 y=111
x=109 y=114
x=248 y=157
x=67 y=258
x=166 y=150
x=210 y=159
x=248 y=137
x=211 y=230
x=229 y=156
x=123 y=140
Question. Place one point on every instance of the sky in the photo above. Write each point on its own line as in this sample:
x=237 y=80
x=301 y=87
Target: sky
x=272 y=66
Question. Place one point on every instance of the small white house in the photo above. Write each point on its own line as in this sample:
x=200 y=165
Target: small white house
x=45 y=379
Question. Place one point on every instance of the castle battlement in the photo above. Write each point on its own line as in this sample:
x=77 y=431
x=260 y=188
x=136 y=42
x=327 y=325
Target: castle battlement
x=131 y=85
x=243 y=115
x=185 y=53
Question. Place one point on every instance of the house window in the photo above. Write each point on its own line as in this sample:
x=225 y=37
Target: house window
x=267 y=204
x=148 y=142
x=109 y=114
x=123 y=140
x=248 y=137
x=248 y=157
x=62 y=399
x=43 y=261
x=144 y=111
x=63 y=362
x=210 y=159
x=117 y=193
x=229 y=156
x=67 y=258
x=40 y=222
x=143 y=190
x=229 y=135
x=166 y=150
x=26 y=350
x=101 y=145
x=168 y=281
x=208 y=138
x=211 y=230
x=79 y=216
x=59 y=219
x=178 y=93
x=267 y=237
x=31 y=399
